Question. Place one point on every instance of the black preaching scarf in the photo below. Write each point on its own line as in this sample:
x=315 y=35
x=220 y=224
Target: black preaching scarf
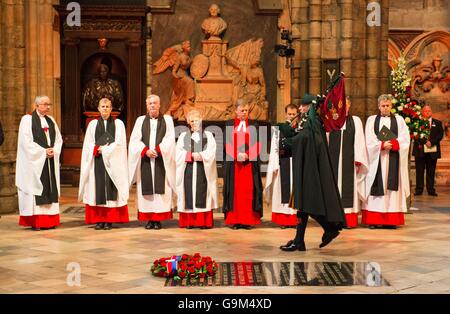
x=48 y=179
x=146 y=169
x=201 y=188
x=348 y=159
x=377 y=186
x=105 y=190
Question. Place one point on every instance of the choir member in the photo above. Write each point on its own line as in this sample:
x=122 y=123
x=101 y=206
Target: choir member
x=196 y=175
x=387 y=182
x=348 y=156
x=104 y=174
x=242 y=190
x=37 y=167
x=151 y=164
x=278 y=186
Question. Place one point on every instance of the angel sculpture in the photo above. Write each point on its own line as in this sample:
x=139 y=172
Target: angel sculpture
x=244 y=65
x=183 y=93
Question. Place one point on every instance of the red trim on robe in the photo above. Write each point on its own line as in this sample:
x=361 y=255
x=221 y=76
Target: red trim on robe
x=395 y=145
x=96 y=214
x=382 y=145
x=144 y=151
x=204 y=219
x=188 y=157
x=40 y=221
x=375 y=218
x=96 y=150
x=154 y=216
x=352 y=220
x=357 y=163
x=158 y=150
x=284 y=219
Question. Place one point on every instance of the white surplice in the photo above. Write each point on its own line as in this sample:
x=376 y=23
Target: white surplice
x=360 y=151
x=391 y=201
x=209 y=163
x=29 y=166
x=272 y=189
x=156 y=203
x=115 y=159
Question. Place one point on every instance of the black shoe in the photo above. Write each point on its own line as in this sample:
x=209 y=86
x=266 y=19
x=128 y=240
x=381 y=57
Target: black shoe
x=283 y=227
x=108 y=226
x=157 y=225
x=149 y=225
x=328 y=237
x=236 y=227
x=389 y=227
x=190 y=227
x=418 y=193
x=205 y=227
x=35 y=229
x=291 y=246
x=432 y=194
x=100 y=226
x=246 y=227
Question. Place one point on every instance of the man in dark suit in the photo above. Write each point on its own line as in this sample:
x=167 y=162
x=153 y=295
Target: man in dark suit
x=427 y=160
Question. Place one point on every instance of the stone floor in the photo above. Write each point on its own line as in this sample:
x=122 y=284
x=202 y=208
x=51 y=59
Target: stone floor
x=413 y=259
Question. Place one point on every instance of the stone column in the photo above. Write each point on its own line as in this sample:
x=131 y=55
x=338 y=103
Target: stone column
x=315 y=46
x=149 y=60
x=43 y=71
x=12 y=95
x=300 y=35
x=347 y=43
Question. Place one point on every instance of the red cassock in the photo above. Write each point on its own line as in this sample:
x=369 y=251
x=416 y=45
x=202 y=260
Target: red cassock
x=242 y=211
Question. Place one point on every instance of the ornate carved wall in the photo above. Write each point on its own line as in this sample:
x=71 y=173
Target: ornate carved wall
x=420 y=30
x=243 y=24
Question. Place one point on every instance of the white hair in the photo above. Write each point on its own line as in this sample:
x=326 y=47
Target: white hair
x=193 y=113
x=153 y=96
x=385 y=97
x=41 y=99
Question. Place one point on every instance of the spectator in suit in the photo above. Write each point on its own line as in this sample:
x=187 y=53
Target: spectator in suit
x=426 y=157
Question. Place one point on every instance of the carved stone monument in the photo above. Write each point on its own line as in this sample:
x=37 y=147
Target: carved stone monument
x=218 y=76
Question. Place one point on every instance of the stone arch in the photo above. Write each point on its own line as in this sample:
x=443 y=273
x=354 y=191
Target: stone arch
x=394 y=52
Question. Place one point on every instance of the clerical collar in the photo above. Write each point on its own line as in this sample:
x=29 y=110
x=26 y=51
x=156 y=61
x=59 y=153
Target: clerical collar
x=386 y=116
x=40 y=115
x=242 y=126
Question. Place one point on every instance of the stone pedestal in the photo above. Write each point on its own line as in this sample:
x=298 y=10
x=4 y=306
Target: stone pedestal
x=215 y=50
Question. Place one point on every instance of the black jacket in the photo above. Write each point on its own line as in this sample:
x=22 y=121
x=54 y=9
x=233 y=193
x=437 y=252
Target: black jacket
x=436 y=135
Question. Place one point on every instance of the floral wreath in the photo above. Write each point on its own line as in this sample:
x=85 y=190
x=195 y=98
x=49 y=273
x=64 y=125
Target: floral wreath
x=184 y=266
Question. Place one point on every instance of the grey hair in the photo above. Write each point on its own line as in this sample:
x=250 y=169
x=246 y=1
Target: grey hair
x=385 y=97
x=240 y=102
x=104 y=100
x=153 y=96
x=40 y=99
x=193 y=113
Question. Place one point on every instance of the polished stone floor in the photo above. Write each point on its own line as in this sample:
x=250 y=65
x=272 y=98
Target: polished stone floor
x=412 y=259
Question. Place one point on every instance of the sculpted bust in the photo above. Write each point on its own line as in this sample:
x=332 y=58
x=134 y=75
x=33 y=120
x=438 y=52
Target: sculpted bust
x=103 y=87
x=214 y=25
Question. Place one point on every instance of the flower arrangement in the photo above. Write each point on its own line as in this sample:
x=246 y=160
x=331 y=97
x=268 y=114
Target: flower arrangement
x=405 y=106
x=184 y=266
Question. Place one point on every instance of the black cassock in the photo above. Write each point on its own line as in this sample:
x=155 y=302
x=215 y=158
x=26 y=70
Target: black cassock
x=314 y=187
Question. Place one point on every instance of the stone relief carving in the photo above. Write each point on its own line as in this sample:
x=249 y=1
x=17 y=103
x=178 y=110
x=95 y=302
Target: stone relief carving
x=212 y=81
x=183 y=88
x=430 y=75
